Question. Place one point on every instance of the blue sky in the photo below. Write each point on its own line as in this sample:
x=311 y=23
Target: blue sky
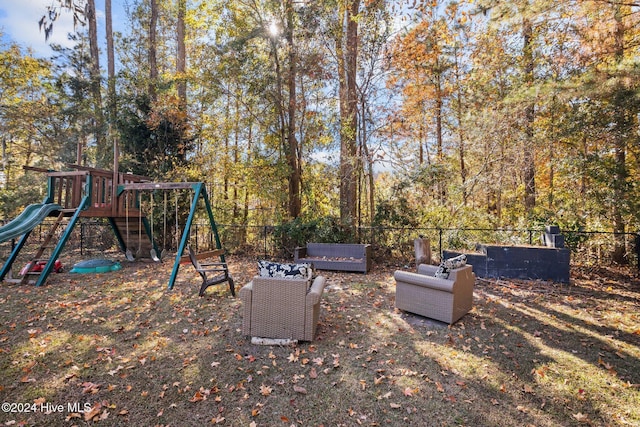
x=19 y=23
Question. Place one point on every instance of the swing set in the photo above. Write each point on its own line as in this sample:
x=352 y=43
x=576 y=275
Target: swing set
x=219 y=268
x=97 y=193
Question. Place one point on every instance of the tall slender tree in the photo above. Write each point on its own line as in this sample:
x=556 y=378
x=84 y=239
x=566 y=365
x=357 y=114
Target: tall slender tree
x=293 y=151
x=152 y=50
x=181 y=55
x=347 y=58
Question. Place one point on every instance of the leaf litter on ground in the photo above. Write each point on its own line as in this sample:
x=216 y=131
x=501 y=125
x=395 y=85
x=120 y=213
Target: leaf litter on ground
x=529 y=353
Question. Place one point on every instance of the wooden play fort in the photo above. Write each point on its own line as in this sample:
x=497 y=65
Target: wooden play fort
x=84 y=192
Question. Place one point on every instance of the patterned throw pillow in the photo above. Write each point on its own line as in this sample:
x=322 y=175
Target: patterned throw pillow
x=450 y=264
x=442 y=272
x=290 y=271
x=456 y=262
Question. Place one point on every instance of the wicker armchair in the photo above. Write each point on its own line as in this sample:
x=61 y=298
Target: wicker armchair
x=446 y=300
x=285 y=308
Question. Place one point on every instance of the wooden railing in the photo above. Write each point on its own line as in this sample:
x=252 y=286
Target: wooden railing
x=67 y=188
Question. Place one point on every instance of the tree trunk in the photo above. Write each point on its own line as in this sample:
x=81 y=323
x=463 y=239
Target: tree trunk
x=279 y=106
x=245 y=214
x=529 y=117
x=442 y=190
x=439 y=103
x=153 y=60
x=236 y=158
x=112 y=106
x=226 y=132
x=295 y=173
x=102 y=152
x=111 y=71
x=622 y=130
x=347 y=68
x=181 y=60
x=461 y=133
x=369 y=175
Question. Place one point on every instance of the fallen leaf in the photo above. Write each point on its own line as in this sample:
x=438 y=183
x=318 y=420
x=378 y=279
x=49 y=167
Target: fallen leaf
x=580 y=417
x=95 y=410
x=197 y=397
x=90 y=388
x=299 y=389
x=265 y=390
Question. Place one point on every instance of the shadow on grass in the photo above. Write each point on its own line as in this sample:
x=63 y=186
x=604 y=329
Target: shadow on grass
x=142 y=355
x=566 y=322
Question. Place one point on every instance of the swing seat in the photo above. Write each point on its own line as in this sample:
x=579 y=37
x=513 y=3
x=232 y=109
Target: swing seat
x=220 y=270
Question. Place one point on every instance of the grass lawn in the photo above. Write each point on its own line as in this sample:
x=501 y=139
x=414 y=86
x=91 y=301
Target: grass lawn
x=119 y=348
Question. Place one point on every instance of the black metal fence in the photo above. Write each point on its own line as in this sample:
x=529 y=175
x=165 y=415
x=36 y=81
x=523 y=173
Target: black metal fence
x=389 y=244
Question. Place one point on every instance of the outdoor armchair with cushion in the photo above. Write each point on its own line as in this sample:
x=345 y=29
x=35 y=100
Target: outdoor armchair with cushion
x=282 y=307
x=444 y=299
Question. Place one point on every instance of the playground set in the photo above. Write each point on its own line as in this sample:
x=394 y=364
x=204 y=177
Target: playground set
x=85 y=192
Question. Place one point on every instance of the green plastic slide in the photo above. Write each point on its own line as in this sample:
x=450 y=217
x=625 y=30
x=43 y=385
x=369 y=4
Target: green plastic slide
x=27 y=220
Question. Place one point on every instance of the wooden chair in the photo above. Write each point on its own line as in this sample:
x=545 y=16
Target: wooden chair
x=220 y=269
